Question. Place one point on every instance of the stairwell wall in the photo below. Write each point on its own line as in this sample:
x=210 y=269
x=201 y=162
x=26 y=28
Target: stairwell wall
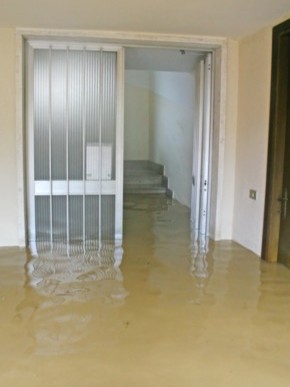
x=136 y=115
x=171 y=111
x=159 y=124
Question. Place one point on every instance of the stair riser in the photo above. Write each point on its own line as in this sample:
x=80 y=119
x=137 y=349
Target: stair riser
x=143 y=180
x=138 y=190
x=143 y=165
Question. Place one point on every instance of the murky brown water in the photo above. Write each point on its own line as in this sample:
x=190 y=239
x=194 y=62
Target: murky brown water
x=170 y=314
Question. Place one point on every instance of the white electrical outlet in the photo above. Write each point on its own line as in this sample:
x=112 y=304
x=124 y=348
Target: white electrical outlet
x=253 y=194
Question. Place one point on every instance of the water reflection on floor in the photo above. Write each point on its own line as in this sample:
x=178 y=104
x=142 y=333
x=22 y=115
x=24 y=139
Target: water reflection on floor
x=174 y=310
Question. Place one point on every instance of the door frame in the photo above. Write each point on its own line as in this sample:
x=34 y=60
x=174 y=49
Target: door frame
x=276 y=147
x=215 y=44
x=202 y=151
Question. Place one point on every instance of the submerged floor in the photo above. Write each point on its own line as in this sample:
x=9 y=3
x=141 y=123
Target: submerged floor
x=170 y=315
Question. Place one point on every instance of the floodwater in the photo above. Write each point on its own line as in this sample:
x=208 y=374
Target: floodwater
x=167 y=310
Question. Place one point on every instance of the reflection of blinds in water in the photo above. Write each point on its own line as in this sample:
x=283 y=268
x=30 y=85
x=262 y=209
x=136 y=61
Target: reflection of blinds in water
x=74 y=101
x=54 y=273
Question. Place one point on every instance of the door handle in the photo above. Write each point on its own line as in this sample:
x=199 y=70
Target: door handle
x=283 y=200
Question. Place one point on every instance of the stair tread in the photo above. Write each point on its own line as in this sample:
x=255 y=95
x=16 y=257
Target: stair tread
x=147 y=172
x=145 y=186
x=161 y=190
x=141 y=178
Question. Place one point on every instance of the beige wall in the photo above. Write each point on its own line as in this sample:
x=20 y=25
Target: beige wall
x=8 y=194
x=229 y=139
x=252 y=137
x=245 y=142
x=255 y=53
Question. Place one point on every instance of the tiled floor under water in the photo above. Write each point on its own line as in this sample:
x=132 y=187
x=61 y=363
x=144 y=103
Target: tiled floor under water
x=168 y=315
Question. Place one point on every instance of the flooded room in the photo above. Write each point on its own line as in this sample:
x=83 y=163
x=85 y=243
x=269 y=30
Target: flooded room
x=144 y=228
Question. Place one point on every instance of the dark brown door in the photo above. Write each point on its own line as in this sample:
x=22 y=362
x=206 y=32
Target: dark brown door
x=284 y=237
x=276 y=237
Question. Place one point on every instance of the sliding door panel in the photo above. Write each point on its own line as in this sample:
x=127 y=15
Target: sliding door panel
x=73 y=131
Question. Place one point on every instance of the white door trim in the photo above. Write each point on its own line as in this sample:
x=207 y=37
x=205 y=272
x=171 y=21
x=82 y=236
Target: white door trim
x=197 y=150
x=202 y=150
x=216 y=44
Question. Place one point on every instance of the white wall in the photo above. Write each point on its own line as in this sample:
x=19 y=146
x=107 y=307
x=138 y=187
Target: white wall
x=229 y=141
x=159 y=122
x=136 y=115
x=171 y=128
x=252 y=138
x=8 y=192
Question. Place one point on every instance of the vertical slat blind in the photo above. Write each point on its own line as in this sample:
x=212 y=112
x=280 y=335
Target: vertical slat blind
x=74 y=132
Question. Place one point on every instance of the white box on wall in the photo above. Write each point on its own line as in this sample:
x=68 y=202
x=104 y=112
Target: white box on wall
x=92 y=161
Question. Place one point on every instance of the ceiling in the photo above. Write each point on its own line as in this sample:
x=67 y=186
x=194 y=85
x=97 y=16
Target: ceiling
x=232 y=18
x=156 y=59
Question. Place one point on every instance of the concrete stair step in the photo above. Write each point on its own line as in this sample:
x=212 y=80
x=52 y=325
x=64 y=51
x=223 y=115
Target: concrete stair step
x=145 y=177
x=141 y=172
x=143 y=180
x=145 y=190
x=143 y=165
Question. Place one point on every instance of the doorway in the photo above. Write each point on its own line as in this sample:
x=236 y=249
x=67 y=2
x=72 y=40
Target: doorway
x=168 y=110
x=217 y=45
x=276 y=236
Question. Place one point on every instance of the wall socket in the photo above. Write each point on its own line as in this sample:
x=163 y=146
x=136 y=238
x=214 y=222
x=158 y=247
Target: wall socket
x=253 y=194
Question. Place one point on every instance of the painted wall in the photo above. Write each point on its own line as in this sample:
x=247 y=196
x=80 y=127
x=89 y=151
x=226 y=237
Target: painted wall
x=8 y=193
x=136 y=115
x=229 y=142
x=252 y=138
x=159 y=121
x=247 y=158
x=171 y=128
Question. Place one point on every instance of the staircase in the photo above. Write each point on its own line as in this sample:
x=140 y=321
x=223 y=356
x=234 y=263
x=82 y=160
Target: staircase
x=145 y=177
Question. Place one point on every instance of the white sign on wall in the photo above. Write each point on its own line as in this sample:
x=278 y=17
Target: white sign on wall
x=96 y=154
